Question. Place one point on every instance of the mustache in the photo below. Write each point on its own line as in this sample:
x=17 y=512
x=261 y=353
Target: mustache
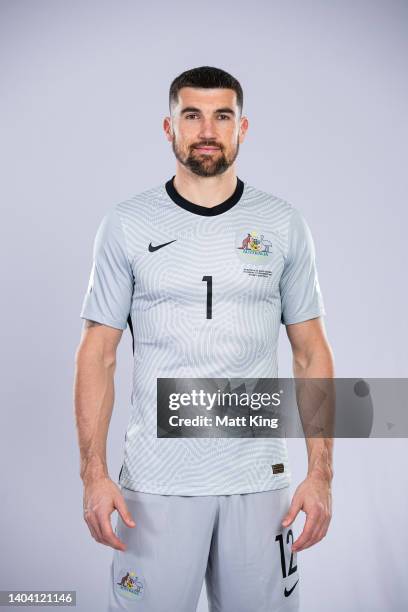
x=206 y=143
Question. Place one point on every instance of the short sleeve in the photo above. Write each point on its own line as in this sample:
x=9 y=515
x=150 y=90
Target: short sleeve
x=110 y=289
x=301 y=297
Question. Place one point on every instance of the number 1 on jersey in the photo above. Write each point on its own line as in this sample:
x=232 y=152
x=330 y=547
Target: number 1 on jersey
x=208 y=280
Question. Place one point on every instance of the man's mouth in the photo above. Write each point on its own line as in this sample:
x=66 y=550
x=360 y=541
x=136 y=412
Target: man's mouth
x=206 y=149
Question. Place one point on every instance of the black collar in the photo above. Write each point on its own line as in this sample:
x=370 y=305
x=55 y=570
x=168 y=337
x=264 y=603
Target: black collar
x=204 y=210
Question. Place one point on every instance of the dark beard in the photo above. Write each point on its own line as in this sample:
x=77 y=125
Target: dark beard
x=201 y=166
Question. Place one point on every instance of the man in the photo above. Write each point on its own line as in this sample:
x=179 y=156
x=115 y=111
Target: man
x=170 y=263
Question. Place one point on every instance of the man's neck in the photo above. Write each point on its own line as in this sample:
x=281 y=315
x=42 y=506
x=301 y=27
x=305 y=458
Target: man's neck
x=205 y=190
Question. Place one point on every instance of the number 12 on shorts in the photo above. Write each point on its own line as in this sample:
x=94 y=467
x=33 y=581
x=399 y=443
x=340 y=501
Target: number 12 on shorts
x=292 y=568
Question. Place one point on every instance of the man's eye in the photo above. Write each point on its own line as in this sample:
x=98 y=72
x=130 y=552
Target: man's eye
x=191 y=115
x=225 y=116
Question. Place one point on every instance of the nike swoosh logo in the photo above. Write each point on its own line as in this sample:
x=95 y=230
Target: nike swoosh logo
x=159 y=246
x=287 y=593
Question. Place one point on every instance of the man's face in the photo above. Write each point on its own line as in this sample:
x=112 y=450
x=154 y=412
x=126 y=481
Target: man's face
x=206 y=130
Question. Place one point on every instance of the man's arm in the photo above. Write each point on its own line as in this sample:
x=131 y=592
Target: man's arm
x=312 y=358
x=95 y=364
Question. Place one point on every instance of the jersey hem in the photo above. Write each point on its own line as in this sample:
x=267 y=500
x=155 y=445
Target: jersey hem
x=92 y=316
x=146 y=487
x=304 y=317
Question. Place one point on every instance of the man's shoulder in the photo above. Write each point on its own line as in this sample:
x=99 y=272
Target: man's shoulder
x=141 y=202
x=267 y=201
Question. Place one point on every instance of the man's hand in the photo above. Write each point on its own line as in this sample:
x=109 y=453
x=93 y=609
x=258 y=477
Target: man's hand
x=313 y=496
x=101 y=497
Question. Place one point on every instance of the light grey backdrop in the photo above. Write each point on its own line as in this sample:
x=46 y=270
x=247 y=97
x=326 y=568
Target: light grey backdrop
x=84 y=91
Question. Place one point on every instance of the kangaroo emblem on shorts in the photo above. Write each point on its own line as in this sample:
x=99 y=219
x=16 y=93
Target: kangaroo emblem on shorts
x=130 y=585
x=124 y=581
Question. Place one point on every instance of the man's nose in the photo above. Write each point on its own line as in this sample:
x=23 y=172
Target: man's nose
x=207 y=129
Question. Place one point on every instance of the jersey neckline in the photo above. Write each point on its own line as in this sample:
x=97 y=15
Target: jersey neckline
x=198 y=209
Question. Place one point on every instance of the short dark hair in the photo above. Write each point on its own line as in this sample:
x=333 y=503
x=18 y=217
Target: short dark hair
x=206 y=77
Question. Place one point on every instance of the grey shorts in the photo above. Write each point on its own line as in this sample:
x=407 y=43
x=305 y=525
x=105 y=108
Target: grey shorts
x=236 y=543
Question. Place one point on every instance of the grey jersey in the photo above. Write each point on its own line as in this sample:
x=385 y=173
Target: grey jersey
x=155 y=257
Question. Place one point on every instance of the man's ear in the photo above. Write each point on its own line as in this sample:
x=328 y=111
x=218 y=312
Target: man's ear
x=168 y=127
x=244 y=124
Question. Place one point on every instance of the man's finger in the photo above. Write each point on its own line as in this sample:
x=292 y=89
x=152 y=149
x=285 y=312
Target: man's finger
x=312 y=525
x=92 y=523
x=322 y=525
x=93 y=532
x=320 y=531
x=292 y=513
x=309 y=541
x=323 y=530
x=320 y=535
x=122 y=508
x=109 y=537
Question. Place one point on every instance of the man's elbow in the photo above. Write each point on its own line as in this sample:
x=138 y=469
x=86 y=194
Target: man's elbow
x=91 y=354
x=317 y=359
